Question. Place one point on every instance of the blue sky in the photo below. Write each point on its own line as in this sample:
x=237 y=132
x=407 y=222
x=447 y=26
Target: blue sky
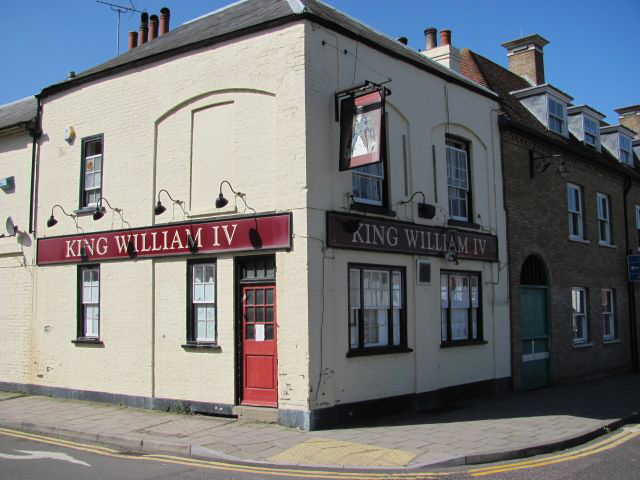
x=593 y=54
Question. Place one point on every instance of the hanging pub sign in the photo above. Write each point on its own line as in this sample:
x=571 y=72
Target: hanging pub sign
x=362 y=126
x=216 y=236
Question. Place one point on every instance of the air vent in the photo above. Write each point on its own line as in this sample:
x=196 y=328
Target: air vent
x=424 y=272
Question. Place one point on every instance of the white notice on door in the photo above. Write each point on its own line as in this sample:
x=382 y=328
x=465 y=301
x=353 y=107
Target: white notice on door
x=259 y=333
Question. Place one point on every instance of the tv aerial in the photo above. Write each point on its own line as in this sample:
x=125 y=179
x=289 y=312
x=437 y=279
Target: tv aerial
x=119 y=9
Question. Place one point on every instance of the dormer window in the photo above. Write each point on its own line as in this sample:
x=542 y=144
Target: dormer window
x=625 y=150
x=591 y=131
x=557 y=115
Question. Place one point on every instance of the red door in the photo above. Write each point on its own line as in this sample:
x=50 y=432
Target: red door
x=259 y=356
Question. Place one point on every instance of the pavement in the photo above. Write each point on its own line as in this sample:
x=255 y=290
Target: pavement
x=485 y=430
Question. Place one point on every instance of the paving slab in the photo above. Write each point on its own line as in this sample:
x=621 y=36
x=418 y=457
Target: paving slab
x=482 y=430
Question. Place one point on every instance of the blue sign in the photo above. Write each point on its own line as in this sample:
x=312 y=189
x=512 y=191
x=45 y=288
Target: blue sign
x=634 y=268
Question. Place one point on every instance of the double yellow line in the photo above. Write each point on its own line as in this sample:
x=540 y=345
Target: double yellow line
x=606 y=444
x=214 y=465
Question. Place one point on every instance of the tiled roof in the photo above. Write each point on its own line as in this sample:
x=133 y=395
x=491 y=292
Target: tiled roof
x=503 y=82
x=249 y=16
x=20 y=111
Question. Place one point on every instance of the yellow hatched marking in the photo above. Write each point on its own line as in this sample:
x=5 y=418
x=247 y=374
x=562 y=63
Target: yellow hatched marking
x=597 y=448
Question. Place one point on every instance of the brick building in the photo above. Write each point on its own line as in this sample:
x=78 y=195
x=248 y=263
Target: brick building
x=572 y=199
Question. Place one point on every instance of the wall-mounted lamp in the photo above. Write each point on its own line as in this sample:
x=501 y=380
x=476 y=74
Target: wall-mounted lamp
x=11 y=228
x=425 y=210
x=160 y=208
x=100 y=210
x=52 y=220
x=541 y=164
x=222 y=202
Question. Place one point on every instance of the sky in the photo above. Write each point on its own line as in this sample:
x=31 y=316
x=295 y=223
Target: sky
x=593 y=53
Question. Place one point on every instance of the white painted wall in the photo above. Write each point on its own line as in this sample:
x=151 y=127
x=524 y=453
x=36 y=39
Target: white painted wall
x=16 y=260
x=417 y=109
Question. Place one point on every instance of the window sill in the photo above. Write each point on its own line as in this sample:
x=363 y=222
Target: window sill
x=608 y=245
x=462 y=343
x=461 y=223
x=212 y=347
x=380 y=210
x=612 y=341
x=582 y=345
x=364 y=352
x=83 y=211
x=88 y=341
x=579 y=240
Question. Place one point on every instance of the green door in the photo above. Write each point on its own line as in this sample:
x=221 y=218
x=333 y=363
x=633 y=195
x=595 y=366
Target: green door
x=534 y=329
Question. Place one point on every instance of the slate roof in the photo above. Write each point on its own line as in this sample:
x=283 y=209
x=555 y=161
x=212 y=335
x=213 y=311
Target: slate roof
x=502 y=81
x=18 y=112
x=250 y=16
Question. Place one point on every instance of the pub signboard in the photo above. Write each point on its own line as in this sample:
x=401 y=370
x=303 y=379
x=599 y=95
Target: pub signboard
x=266 y=232
x=366 y=233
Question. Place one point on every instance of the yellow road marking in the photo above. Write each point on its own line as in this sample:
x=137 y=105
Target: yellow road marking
x=219 y=465
x=599 y=447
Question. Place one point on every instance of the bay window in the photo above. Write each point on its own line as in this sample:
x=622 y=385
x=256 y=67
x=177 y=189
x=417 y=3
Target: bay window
x=461 y=312
x=377 y=312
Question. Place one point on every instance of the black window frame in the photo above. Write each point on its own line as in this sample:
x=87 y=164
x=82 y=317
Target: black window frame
x=191 y=327
x=81 y=337
x=456 y=141
x=480 y=340
x=82 y=204
x=361 y=350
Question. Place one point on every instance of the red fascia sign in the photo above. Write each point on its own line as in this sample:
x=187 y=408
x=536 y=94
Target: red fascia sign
x=239 y=234
x=362 y=134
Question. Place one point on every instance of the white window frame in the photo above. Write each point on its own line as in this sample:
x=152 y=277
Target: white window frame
x=576 y=212
x=365 y=173
x=203 y=298
x=608 y=316
x=562 y=120
x=593 y=133
x=462 y=192
x=90 y=301
x=603 y=208
x=95 y=174
x=579 y=315
x=628 y=160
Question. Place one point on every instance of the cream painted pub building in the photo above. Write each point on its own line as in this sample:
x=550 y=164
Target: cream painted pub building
x=270 y=206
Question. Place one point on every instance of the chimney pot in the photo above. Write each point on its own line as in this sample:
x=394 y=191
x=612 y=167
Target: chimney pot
x=445 y=37
x=144 y=28
x=154 y=27
x=165 y=15
x=430 y=34
x=403 y=40
x=133 y=40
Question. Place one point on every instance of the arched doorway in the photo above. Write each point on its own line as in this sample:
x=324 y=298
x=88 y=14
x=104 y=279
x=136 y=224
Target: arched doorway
x=534 y=323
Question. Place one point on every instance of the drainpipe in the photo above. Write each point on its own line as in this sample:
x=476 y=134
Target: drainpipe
x=630 y=286
x=35 y=131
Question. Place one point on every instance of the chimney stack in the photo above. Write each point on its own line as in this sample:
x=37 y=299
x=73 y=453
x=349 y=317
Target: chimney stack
x=430 y=35
x=526 y=58
x=133 y=40
x=630 y=118
x=445 y=53
x=165 y=15
x=144 y=28
x=153 y=34
x=445 y=37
